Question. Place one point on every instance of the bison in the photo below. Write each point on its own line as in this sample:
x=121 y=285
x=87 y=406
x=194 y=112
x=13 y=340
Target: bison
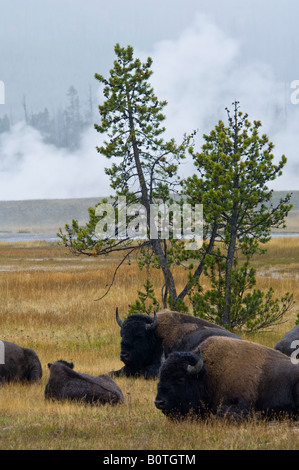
x=228 y=377
x=146 y=340
x=19 y=364
x=66 y=384
x=289 y=342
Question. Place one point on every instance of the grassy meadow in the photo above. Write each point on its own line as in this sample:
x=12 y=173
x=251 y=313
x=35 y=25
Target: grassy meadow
x=48 y=303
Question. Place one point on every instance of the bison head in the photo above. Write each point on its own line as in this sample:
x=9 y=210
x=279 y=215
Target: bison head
x=181 y=389
x=141 y=347
x=61 y=361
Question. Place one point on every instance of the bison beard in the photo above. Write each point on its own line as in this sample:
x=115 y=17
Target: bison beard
x=146 y=340
x=228 y=377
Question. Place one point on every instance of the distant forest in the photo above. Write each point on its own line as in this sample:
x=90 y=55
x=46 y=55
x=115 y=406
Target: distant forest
x=63 y=128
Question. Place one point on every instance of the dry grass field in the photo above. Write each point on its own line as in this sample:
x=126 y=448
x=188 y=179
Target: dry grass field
x=47 y=303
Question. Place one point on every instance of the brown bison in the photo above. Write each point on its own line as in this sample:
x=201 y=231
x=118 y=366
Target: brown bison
x=145 y=340
x=18 y=363
x=228 y=376
x=289 y=342
x=66 y=384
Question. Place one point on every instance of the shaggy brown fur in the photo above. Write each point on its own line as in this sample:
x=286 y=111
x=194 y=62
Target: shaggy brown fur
x=239 y=369
x=174 y=326
x=229 y=375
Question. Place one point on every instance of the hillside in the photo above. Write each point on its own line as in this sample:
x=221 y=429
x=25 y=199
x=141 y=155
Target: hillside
x=45 y=215
x=41 y=216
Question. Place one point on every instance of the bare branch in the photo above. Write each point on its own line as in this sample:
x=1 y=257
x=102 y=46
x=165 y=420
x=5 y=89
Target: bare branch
x=114 y=274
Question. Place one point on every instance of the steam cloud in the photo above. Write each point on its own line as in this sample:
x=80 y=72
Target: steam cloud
x=199 y=74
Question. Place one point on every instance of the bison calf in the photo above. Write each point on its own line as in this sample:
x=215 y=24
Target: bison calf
x=66 y=384
x=226 y=376
x=20 y=364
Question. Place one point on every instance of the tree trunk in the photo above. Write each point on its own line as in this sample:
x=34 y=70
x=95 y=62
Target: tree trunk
x=200 y=267
x=228 y=269
x=156 y=243
x=233 y=233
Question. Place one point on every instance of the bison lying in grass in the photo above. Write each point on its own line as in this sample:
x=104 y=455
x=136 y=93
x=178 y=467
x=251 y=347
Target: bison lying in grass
x=20 y=364
x=145 y=340
x=66 y=384
x=228 y=377
x=289 y=342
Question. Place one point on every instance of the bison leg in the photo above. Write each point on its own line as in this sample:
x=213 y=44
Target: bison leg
x=150 y=372
x=124 y=371
x=236 y=411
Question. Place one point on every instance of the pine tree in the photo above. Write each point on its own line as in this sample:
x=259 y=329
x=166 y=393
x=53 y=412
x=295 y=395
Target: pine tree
x=233 y=171
x=145 y=166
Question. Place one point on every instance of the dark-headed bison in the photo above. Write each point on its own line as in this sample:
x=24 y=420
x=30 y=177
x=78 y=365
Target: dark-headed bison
x=66 y=384
x=18 y=363
x=228 y=376
x=145 y=340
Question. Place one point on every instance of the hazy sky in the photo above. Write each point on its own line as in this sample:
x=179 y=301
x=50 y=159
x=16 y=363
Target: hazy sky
x=206 y=55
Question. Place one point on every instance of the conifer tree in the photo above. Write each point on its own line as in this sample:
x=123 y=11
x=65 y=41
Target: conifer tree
x=233 y=172
x=230 y=183
x=144 y=170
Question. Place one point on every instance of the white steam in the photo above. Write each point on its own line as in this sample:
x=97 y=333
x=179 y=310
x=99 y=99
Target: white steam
x=204 y=71
x=31 y=169
x=199 y=74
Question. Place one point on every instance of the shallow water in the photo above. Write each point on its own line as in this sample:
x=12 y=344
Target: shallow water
x=20 y=237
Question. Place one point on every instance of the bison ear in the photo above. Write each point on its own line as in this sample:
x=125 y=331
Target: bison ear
x=193 y=370
x=152 y=326
x=49 y=364
x=119 y=321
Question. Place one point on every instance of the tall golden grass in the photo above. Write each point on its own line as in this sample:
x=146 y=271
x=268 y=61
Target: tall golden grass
x=48 y=303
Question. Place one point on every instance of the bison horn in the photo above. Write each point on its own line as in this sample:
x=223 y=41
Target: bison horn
x=119 y=321
x=153 y=325
x=193 y=370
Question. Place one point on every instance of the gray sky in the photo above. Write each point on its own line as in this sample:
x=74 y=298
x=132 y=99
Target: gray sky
x=48 y=45
x=206 y=55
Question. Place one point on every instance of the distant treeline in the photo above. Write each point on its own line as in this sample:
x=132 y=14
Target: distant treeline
x=64 y=128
